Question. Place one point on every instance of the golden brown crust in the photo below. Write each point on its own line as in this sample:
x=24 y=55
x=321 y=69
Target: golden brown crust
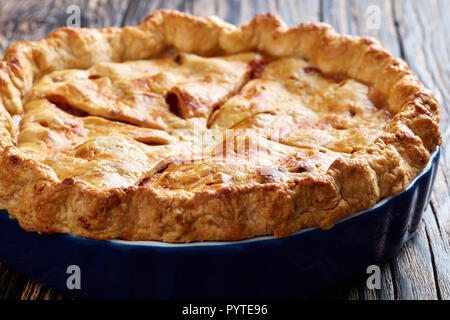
x=154 y=197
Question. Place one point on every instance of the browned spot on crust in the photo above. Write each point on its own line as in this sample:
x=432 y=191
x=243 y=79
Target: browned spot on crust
x=185 y=105
x=212 y=117
x=39 y=186
x=68 y=181
x=14 y=159
x=85 y=222
x=311 y=69
x=61 y=102
x=257 y=68
x=174 y=104
x=152 y=141
x=14 y=62
x=178 y=59
x=301 y=169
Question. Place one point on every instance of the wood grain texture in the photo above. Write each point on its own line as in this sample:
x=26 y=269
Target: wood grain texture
x=23 y=21
x=357 y=290
x=139 y=9
x=229 y=10
x=249 y=8
x=425 y=40
x=440 y=254
x=413 y=269
x=205 y=8
x=295 y=12
x=94 y=13
x=352 y=17
x=423 y=30
x=415 y=30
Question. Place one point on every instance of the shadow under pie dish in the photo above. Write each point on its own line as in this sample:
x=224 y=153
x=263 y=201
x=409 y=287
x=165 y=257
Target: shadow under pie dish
x=189 y=129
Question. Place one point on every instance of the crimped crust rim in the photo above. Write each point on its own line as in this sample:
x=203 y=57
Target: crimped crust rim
x=32 y=194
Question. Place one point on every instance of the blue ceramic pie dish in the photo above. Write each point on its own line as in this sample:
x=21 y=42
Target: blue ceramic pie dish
x=307 y=261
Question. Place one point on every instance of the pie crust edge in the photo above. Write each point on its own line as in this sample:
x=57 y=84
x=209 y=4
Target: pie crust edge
x=32 y=193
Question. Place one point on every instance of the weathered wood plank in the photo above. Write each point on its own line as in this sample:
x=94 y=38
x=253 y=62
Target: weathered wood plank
x=34 y=20
x=16 y=286
x=204 y=7
x=387 y=284
x=229 y=10
x=35 y=291
x=11 y=283
x=249 y=8
x=440 y=254
x=180 y=5
x=94 y=13
x=425 y=40
x=357 y=290
x=440 y=197
x=295 y=12
x=357 y=18
x=337 y=14
x=386 y=292
x=6 y=25
x=424 y=32
x=413 y=269
x=138 y=10
x=23 y=21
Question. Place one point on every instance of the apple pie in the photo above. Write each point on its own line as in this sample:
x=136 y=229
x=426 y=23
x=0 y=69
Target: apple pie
x=188 y=129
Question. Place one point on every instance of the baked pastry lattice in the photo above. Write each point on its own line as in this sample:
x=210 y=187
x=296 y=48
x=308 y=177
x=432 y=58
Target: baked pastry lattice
x=186 y=128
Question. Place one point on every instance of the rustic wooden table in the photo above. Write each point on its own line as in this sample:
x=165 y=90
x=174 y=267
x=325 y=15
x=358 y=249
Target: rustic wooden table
x=415 y=30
